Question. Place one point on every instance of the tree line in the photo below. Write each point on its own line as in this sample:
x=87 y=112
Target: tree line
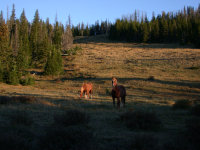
x=182 y=27
x=96 y=29
x=25 y=45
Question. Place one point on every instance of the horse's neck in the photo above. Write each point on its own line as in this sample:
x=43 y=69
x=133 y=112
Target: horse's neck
x=115 y=87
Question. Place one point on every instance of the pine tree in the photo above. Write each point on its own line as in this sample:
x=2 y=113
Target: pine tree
x=24 y=55
x=86 y=31
x=163 y=29
x=145 y=37
x=14 y=37
x=35 y=38
x=12 y=75
x=49 y=31
x=57 y=36
x=53 y=65
x=5 y=51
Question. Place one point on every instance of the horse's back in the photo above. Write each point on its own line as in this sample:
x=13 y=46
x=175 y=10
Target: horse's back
x=87 y=86
x=122 y=90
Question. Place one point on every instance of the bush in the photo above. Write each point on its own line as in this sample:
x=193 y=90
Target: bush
x=16 y=138
x=193 y=130
x=5 y=100
x=16 y=99
x=11 y=77
x=108 y=92
x=54 y=65
x=27 y=81
x=195 y=110
x=141 y=120
x=71 y=117
x=73 y=137
x=182 y=104
x=151 y=78
x=23 y=99
x=144 y=142
x=20 y=118
x=176 y=142
x=73 y=51
x=1 y=72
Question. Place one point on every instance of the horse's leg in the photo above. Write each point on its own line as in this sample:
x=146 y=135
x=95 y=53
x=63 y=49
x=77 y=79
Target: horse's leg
x=85 y=95
x=123 y=101
x=118 y=102
x=113 y=101
x=90 y=93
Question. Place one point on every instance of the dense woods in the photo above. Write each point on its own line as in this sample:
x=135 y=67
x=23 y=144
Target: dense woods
x=182 y=27
x=25 y=45
x=96 y=29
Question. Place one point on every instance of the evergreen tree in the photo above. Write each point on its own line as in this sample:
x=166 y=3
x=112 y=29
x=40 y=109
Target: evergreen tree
x=44 y=45
x=12 y=75
x=24 y=55
x=163 y=28
x=49 y=31
x=53 y=65
x=5 y=51
x=86 y=31
x=35 y=38
x=57 y=36
x=14 y=37
x=1 y=72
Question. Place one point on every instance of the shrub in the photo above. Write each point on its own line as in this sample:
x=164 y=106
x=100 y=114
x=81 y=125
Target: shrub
x=182 y=104
x=144 y=142
x=12 y=77
x=108 y=92
x=71 y=117
x=176 y=142
x=1 y=72
x=54 y=65
x=27 y=81
x=23 y=99
x=73 y=51
x=16 y=138
x=16 y=99
x=73 y=137
x=5 y=100
x=141 y=120
x=193 y=130
x=195 y=110
x=20 y=118
x=151 y=78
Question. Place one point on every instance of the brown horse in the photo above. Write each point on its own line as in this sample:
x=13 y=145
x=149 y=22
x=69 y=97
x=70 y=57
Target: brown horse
x=118 y=92
x=86 y=89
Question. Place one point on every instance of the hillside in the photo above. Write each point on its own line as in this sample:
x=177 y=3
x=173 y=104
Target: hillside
x=155 y=75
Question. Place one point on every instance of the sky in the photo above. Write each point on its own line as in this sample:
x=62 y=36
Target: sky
x=89 y=11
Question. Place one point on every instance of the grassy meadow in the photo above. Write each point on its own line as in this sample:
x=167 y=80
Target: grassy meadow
x=50 y=114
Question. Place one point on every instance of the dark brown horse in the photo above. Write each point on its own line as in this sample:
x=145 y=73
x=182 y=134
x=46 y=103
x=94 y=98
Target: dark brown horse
x=118 y=92
x=86 y=89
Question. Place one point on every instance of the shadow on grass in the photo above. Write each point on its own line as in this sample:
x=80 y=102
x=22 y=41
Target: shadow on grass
x=105 y=39
x=191 y=84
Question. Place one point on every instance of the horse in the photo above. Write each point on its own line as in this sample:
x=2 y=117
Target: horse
x=86 y=89
x=118 y=92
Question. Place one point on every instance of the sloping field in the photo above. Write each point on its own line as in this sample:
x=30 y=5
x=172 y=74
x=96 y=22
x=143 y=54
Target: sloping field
x=155 y=75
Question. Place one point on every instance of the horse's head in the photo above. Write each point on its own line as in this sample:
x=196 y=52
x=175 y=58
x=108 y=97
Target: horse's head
x=114 y=81
x=82 y=89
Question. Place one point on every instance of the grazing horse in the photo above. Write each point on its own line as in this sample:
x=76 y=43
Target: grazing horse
x=118 y=92
x=86 y=89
